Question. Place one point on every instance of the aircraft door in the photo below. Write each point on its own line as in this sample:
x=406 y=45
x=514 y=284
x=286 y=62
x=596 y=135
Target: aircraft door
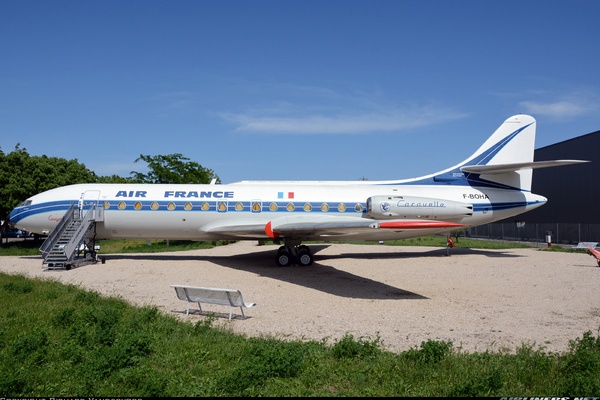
x=88 y=199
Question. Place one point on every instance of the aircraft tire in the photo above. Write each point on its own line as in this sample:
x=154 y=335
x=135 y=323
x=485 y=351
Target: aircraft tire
x=305 y=258
x=283 y=259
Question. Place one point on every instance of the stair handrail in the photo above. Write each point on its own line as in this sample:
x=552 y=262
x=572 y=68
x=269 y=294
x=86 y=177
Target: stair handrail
x=56 y=233
x=82 y=230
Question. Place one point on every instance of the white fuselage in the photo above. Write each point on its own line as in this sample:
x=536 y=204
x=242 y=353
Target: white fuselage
x=190 y=212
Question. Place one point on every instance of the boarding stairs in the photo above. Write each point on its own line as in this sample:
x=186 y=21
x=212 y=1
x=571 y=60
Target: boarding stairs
x=72 y=242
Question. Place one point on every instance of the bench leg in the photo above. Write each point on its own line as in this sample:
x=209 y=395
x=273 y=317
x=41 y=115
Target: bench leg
x=200 y=307
x=242 y=310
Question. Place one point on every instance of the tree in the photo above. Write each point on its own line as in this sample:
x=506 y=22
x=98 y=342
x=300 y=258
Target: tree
x=173 y=168
x=116 y=179
x=23 y=175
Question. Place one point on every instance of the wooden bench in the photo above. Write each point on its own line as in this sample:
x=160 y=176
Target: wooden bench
x=225 y=297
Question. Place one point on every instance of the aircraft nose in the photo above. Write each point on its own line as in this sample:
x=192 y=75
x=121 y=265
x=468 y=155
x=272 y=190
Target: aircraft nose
x=13 y=216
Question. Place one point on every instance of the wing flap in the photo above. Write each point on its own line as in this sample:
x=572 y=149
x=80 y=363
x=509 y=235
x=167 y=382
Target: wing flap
x=315 y=226
x=238 y=229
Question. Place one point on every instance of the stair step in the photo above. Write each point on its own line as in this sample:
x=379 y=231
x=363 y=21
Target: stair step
x=61 y=249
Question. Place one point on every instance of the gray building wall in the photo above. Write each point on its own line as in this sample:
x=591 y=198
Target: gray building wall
x=572 y=213
x=573 y=191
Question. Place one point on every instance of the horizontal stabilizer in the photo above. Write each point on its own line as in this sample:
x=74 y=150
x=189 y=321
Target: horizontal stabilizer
x=503 y=168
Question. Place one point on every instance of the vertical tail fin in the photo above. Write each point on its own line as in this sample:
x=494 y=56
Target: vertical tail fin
x=513 y=142
x=504 y=160
x=511 y=145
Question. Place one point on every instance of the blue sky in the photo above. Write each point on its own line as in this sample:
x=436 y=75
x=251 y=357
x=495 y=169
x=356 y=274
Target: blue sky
x=294 y=90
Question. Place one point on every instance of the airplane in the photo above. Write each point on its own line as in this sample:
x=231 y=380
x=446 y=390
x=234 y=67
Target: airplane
x=494 y=183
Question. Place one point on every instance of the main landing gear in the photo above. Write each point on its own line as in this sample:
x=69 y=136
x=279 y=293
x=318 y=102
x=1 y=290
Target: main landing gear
x=290 y=254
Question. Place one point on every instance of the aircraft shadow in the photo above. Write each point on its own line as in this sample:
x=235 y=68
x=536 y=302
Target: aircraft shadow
x=431 y=253
x=586 y=266
x=319 y=276
x=222 y=315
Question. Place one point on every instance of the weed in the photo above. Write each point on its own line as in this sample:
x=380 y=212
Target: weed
x=348 y=347
x=582 y=366
x=431 y=351
x=19 y=286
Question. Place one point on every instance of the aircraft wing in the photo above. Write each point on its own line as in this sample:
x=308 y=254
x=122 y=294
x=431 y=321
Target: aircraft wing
x=317 y=226
x=236 y=229
x=503 y=168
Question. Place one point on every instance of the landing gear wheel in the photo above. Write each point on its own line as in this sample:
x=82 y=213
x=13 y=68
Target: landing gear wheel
x=305 y=258
x=283 y=258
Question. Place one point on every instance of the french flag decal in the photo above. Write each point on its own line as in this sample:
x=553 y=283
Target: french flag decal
x=284 y=195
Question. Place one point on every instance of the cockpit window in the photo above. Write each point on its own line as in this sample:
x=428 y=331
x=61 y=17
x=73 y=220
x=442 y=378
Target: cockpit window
x=25 y=203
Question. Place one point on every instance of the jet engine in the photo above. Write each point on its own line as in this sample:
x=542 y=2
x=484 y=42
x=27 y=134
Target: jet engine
x=394 y=207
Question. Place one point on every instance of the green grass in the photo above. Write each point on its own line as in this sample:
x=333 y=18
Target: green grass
x=111 y=246
x=462 y=242
x=58 y=340
x=156 y=246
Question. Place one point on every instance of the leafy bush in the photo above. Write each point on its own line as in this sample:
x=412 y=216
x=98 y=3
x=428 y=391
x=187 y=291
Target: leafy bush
x=348 y=347
x=264 y=359
x=19 y=286
x=582 y=366
x=431 y=351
